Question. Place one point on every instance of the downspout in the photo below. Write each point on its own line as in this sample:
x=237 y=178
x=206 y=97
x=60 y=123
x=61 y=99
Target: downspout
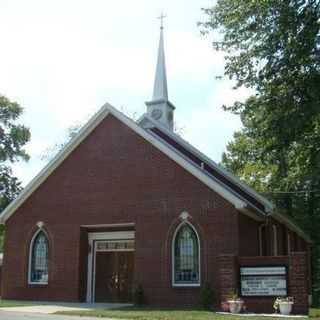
x=269 y=211
x=261 y=240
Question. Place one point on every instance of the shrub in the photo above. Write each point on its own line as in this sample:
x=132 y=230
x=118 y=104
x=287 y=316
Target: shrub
x=206 y=296
x=138 y=295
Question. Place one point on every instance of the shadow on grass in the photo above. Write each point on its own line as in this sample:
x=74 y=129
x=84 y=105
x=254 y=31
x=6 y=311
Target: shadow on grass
x=154 y=313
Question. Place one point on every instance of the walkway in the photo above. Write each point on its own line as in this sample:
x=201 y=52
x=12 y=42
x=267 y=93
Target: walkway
x=53 y=307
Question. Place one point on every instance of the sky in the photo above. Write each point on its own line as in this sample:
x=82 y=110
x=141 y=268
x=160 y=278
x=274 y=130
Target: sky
x=63 y=59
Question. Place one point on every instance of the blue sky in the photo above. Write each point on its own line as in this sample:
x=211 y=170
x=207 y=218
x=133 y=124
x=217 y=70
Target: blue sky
x=62 y=60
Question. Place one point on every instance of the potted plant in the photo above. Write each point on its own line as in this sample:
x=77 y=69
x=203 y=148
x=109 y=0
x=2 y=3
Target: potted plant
x=225 y=306
x=284 y=304
x=235 y=303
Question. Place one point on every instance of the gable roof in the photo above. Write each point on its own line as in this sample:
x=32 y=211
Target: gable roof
x=106 y=110
x=208 y=172
x=253 y=199
x=206 y=164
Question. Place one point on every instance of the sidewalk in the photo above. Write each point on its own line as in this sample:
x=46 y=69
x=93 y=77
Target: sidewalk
x=50 y=308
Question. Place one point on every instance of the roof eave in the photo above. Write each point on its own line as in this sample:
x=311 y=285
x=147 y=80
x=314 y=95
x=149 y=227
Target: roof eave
x=269 y=206
x=53 y=164
x=252 y=213
x=290 y=224
x=84 y=132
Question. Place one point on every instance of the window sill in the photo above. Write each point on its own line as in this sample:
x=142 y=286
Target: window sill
x=186 y=285
x=37 y=284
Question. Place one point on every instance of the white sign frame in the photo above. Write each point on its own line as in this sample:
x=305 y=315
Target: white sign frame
x=261 y=277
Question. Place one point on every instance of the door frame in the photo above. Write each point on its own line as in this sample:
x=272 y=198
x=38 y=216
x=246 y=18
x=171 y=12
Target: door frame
x=97 y=237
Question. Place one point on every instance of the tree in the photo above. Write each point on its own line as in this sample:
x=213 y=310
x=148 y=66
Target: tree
x=51 y=152
x=13 y=137
x=274 y=47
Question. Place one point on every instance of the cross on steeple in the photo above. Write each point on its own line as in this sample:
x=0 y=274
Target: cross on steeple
x=161 y=17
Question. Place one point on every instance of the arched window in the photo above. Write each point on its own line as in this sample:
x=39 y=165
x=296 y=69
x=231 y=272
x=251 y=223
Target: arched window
x=38 y=258
x=186 y=256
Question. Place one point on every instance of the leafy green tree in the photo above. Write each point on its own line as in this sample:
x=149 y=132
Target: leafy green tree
x=13 y=137
x=273 y=47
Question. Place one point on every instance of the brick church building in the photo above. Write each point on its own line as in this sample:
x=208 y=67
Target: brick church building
x=130 y=203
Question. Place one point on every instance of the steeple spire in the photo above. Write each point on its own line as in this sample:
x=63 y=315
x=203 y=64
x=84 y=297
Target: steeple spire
x=160 y=108
x=160 y=88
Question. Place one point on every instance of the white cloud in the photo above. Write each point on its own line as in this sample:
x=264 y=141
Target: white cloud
x=62 y=60
x=212 y=127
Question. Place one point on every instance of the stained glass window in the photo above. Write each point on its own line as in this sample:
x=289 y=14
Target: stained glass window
x=186 y=256
x=39 y=259
x=115 y=245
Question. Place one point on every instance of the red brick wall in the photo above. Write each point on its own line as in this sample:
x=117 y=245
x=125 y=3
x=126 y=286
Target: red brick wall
x=228 y=276
x=262 y=304
x=249 y=239
x=115 y=176
x=298 y=280
x=248 y=236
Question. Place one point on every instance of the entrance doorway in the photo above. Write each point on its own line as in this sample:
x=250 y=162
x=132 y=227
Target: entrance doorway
x=114 y=276
x=110 y=266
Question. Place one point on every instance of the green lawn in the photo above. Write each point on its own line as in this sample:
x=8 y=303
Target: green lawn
x=14 y=303
x=135 y=313
x=149 y=313
x=314 y=313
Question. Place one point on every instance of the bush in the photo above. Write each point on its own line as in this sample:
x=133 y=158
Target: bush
x=138 y=295
x=206 y=296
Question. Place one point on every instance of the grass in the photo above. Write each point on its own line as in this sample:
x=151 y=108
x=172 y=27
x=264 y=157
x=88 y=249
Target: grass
x=314 y=313
x=138 y=313
x=149 y=313
x=14 y=303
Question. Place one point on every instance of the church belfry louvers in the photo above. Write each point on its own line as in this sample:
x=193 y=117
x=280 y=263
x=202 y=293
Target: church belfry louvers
x=160 y=108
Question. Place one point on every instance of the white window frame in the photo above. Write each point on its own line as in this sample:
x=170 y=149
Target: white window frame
x=275 y=240
x=41 y=283
x=174 y=284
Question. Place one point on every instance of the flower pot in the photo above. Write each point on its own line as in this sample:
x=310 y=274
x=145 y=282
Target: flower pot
x=225 y=306
x=285 y=307
x=235 y=306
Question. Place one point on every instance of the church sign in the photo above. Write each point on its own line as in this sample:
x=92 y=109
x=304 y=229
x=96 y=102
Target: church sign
x=263 y=281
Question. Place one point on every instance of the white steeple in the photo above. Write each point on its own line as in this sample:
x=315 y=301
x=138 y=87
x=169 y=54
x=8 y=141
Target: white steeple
x=160 y=88
x=160 y=108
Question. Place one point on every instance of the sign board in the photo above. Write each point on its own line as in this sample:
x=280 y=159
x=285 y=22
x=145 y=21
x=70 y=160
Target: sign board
x=263 y=281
